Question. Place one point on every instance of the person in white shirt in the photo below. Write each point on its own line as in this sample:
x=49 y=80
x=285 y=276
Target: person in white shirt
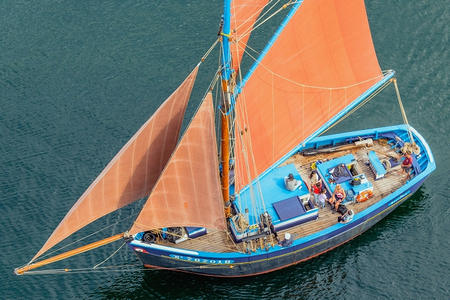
x=291 y=183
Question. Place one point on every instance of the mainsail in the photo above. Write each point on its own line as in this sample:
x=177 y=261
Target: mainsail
x=243 y=17
x=133 y=172
x=188 y=192
x=319 y=64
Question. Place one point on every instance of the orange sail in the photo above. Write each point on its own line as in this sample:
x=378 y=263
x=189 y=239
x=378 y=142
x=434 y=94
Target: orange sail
x=188 y=192
x=321 y=62
x=243 y=17
x=133 y=172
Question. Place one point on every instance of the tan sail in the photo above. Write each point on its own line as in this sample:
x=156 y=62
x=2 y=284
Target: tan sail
x=133 y=171
x=188 y=192
x=311 y=73
x=243 y=16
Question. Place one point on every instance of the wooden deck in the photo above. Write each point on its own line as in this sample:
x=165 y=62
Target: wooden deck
x=216 y=241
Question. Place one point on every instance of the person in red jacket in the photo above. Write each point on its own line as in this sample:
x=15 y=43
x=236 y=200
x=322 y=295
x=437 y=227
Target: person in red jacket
x=407 y=163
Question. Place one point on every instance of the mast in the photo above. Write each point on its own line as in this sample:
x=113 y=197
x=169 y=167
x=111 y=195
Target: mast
x=227 y=94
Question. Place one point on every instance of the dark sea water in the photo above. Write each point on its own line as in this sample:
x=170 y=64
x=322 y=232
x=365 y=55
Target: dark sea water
x=78 y=78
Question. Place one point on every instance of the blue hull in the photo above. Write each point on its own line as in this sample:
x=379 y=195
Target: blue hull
x=240 y=264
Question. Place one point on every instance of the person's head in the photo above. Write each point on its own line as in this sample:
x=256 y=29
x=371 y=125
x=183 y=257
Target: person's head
x=323 y=191
x=291 y=176
x=338 y=187
x=318 y=183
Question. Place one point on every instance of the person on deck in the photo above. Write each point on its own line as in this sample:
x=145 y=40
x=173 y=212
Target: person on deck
x=407 y=163
x=314 y=177
x=322 y=199
x=316 y=187
x=291 y=183
x=346 y=217
x=337 y=197
x=287 y=240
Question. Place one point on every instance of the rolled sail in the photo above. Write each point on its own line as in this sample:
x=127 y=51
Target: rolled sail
x=188 y=193
x=319 y=64
x=133 y=172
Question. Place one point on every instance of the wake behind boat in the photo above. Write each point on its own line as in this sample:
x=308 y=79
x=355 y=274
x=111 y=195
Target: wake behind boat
x=275 y=192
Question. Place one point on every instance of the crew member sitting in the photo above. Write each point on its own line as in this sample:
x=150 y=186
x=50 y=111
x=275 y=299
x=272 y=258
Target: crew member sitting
x=337 y=197
x=291 y=183
x=346 y=217
x=407 y=163
x=287 y=240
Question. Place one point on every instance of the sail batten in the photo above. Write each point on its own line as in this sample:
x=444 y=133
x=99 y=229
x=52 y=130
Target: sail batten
x=188 y=193
x=320 y=60
x=133 y=171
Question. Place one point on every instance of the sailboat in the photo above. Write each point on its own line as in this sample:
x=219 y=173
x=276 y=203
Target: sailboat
x=266 y=188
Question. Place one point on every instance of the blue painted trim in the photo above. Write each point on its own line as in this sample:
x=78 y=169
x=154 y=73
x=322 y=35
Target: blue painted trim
x=226 y=29
x=424 y=143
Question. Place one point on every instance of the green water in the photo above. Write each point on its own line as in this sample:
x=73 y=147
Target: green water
x=78 y=78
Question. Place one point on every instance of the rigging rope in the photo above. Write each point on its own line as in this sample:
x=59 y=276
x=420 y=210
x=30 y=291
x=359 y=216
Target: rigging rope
x=249 y=31
x=83 y=238
x=402 y=109
x=359 y=105
x=251 y=16
x=99 y=264
x=117 y=268
x=255 y=204
x=209 y=50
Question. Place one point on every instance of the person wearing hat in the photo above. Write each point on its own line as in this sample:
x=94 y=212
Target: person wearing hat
x=291 y=183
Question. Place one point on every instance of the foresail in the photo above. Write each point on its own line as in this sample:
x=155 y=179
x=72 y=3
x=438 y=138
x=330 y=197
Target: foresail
x=321 y=62
x=243 y=16
x=133 y=172
x=188 y=192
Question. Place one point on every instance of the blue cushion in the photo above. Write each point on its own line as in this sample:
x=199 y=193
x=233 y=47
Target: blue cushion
x=344 y=174
x=194 y=232
x=376 y=165
x=289 y=208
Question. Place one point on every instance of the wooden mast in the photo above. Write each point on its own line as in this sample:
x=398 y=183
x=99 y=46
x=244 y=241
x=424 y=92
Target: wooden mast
x=225 y=160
